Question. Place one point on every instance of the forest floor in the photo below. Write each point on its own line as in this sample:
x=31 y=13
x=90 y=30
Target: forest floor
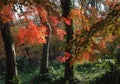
x=102 y=72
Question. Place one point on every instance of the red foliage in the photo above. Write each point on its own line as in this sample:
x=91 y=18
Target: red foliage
x=67 y=21
x=67 y=54
x=85 y=56
x=5 y=12
x=42 y=13
x=31 y=34
x=60 y=33
x=54 y=20
x=63 y=59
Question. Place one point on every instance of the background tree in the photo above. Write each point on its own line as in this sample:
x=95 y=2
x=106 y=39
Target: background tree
x=45 y=55
x=11 y=68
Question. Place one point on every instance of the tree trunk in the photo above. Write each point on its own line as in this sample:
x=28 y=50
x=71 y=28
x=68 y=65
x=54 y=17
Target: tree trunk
x=69 y=73
x=11 y=68
x=45 y=55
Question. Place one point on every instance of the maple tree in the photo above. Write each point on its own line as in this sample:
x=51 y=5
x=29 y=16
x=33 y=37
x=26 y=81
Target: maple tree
x=40 y=12
x=98 y=34
x=94 y=27
x=32 y=33
x=26 y=35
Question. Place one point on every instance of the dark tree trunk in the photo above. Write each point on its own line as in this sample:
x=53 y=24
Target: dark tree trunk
x=45 y=55
x=11 y=68
x=69 y=73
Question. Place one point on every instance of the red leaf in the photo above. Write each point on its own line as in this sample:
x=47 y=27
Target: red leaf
x=85 y=56
x=67 y=55
x=60 y=33
x=31 y=34
x=6 y=13
x=67 y=21
x=43 y=14
x=54 y=19
x=63 y=59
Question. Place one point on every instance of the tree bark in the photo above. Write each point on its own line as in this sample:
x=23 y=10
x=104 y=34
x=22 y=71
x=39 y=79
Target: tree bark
x=11 y=68
x=69 y=73
x=45 y=55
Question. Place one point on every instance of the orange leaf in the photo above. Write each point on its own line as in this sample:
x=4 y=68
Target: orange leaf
x=85 y=56
x=43 y=14
x=102 y=43
x=6 y=13
x=60 y=33
x=31 y=34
